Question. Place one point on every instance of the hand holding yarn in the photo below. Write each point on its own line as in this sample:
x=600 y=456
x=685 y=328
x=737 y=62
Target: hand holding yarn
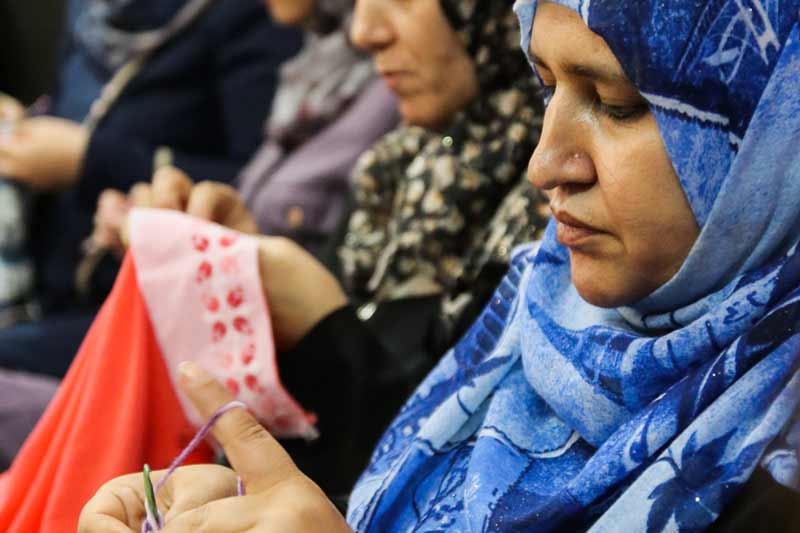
x=118 y=507
x=278 y=498
x=202 y=498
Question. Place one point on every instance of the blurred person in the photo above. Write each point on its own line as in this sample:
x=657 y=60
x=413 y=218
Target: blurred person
x=141 y=83
x=328 y=109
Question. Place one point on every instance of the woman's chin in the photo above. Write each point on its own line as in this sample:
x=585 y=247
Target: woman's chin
x=604 y=284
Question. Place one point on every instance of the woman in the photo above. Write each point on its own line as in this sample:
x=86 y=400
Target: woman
x=137 y=74
x=631 y=374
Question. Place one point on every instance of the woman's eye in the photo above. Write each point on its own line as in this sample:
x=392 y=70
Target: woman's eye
x=623 y=113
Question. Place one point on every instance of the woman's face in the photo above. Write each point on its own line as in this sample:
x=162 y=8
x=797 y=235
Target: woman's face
x=619 y=206
x=419 y=55
x=290 y=12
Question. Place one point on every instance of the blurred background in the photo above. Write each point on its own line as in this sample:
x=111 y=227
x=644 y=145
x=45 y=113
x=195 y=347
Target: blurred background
x=30 y=31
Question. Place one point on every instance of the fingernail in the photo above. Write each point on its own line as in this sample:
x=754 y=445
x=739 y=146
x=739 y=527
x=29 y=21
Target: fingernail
x=191 y=371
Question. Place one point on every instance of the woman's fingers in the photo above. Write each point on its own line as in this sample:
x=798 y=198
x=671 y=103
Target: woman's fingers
x=141 y=195
x=118 y=507
x=223 y=516
x=171 y=189
x=191 y=487
x=296 y=506
x=257 y=457
x=119 y=504
x=220 y=203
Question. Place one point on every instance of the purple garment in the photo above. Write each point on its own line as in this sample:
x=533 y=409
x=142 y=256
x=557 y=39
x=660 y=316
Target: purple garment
x=302 y=193
x=23 y=399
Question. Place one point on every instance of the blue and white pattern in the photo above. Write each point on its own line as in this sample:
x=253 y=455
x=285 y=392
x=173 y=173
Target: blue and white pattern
x=554 y=415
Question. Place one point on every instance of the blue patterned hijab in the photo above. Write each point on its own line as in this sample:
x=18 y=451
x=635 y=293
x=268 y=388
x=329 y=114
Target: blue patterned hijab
x=553 y=414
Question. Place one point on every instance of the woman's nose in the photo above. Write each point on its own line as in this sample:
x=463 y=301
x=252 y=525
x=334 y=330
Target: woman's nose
x=560 y=157
x=371 y=28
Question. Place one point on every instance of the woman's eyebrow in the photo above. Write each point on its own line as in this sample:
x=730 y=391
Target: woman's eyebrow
x=593 y=72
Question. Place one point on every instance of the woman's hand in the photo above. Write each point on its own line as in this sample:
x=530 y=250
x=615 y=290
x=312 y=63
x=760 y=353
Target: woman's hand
x=279 y=498
x=45 y=153
x=170 y=188
x=300 y=291
x=10 y=108
x=119 y=504
x=216 y=202
x=110 y=222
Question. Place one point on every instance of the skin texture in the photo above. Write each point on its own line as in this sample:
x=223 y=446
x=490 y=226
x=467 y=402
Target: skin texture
x=45 y=152
x=198 y=499
x=602 y=163
x=10 y=108
x=290 y=12
x=422 y=59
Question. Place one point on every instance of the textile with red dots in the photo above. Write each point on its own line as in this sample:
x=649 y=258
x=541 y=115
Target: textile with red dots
x=202 y=288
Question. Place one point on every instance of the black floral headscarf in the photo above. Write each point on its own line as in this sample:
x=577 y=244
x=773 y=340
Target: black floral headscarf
x=425 y=199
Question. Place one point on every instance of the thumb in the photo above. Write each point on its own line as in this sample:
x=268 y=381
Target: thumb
x=253 y=453
x=171 y=188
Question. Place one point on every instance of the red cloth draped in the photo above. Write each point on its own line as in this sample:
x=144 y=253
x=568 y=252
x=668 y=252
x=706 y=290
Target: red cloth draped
x=115 y=411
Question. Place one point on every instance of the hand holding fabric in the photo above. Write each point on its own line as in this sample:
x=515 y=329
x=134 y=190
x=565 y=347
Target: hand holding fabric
x=173 y=189
x=45 y=152
x=217 y=202
x=299 y=289
x=278 y=496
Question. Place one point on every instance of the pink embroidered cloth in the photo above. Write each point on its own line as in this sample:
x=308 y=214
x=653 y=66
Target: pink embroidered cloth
x=202 y=288
x=189 y=290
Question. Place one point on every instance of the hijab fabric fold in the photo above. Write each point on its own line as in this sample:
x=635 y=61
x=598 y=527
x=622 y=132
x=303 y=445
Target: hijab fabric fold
x=555 y=415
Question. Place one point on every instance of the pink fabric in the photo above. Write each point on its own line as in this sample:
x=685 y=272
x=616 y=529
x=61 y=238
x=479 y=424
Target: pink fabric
x=202 y=288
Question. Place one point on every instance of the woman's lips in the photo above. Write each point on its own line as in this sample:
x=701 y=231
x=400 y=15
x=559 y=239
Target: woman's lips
x=571 y=232
x=393 y=79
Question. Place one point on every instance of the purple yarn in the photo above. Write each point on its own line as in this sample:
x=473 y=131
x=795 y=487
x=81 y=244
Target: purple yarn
x=152 y=524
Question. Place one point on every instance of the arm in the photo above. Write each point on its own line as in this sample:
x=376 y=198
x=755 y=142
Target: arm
x=355 y=376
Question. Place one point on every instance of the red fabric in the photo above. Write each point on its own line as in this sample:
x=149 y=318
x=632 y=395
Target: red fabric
x=115 y=411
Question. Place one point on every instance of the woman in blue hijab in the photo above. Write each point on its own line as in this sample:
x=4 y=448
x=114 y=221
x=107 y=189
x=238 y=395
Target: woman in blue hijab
x=641 y=367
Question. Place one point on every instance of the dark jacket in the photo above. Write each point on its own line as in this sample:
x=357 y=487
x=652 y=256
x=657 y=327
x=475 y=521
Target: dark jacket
x=204 y=95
